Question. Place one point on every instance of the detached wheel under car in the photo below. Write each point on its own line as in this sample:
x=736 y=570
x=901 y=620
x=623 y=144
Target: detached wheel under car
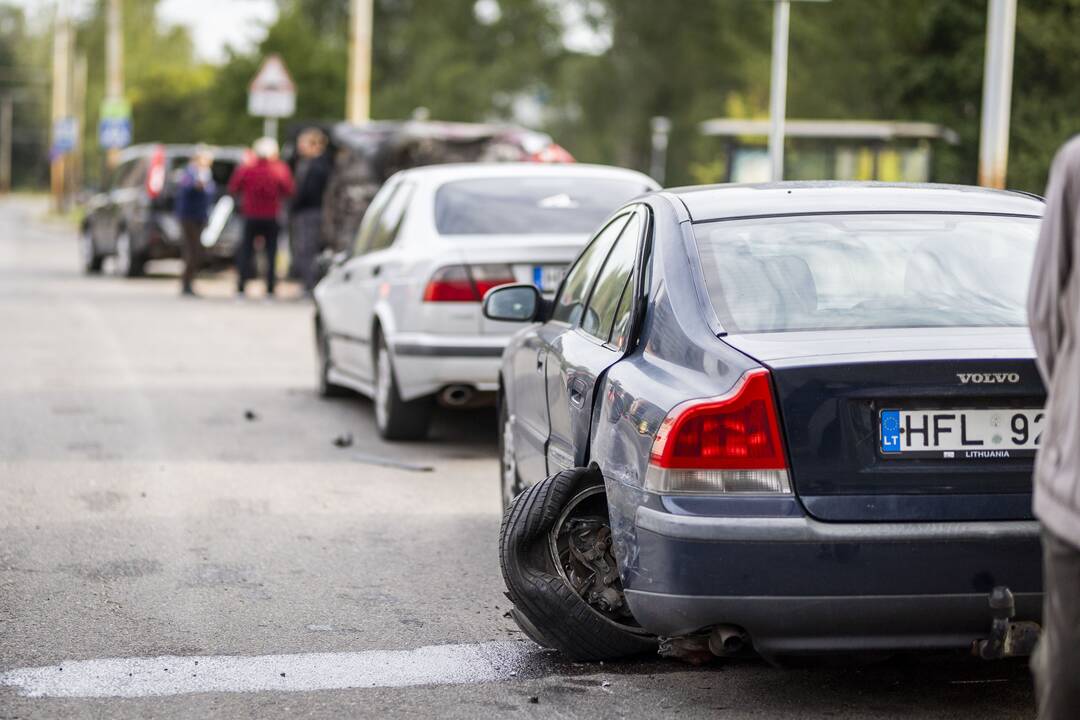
x=556 y=553
x=396 y=419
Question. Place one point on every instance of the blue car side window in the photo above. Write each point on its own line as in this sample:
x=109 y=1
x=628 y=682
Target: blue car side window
x=570 y=303
x=607 y=290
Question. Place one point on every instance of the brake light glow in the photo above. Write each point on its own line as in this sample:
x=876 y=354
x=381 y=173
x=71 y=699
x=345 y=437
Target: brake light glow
x=486 y=277
x=727 y=444
x=553 y=153
x=466 y=283
x=155 y=174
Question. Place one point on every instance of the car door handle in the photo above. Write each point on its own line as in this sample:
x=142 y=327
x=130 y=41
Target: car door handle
x=346 y=276
x=376 y=270
x=540 y=362
x=576 y=391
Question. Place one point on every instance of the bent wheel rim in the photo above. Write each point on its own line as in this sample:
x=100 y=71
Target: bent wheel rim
x=557 y=543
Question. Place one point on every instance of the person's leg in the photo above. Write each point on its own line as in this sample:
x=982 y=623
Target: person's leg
x=185 y=254
x=245 y=253
x=192 y=251
x=307 y=245
x=270 y=237
x=1057 y=656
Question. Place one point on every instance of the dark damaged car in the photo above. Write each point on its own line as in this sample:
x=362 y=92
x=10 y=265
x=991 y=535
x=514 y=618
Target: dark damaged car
x=797 y=418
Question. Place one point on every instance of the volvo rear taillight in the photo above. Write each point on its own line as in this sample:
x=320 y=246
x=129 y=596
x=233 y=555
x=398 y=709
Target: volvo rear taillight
x=466 y=283
x=155 y=174
x=727 y=444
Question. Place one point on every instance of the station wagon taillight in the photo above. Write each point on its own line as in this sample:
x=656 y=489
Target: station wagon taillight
x=466 y=283
x=727 y=444
x=155 y=173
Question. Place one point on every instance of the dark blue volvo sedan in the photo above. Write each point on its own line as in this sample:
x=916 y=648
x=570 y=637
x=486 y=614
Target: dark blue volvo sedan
x=793 y=417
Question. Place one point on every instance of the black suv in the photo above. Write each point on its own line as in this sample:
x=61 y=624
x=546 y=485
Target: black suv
x=132 y=218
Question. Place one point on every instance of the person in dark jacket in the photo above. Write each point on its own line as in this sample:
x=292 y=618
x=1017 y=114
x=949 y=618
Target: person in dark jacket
x=312 y=174
x=1054 y=318
x=262 y=186
x=195 y=193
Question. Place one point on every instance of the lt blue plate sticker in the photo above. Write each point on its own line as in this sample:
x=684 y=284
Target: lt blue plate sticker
x=890 y=431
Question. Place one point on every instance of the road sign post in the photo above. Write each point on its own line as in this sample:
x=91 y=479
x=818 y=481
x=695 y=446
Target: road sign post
x=272 y=94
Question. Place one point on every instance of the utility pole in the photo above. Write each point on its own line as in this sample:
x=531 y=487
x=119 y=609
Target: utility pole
x=114 y=64
x=60 y=96
x=78 y=104
x=358 y=93
x=7 y=103
x=778 y=88
x=997 y=93
x=661 y=131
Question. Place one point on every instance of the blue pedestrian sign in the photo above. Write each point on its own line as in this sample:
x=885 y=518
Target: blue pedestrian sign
x=114 y=133
x=65 y=135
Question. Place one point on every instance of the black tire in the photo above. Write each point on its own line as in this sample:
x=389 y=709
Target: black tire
x=130 y=260
x=327 y=389
x=509 y=480
x=90 y=259
x=396 y=419
x=546 y=607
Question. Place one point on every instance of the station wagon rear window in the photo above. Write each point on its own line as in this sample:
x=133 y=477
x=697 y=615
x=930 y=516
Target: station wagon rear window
x=852 y=271
x=529 y=205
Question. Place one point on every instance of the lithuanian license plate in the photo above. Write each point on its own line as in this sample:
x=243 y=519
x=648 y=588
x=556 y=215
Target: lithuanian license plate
x=548 y=277
x=977 y=434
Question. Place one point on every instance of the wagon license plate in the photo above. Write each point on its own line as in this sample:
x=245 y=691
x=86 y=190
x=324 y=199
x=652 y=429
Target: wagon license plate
x=548 y=277
x=977 y=434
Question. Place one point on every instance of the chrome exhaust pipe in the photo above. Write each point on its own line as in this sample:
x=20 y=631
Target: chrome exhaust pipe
x=456 y=395
x=727 y=640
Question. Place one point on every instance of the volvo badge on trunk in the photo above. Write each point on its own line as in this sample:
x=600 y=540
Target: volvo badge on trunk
x=988 y=378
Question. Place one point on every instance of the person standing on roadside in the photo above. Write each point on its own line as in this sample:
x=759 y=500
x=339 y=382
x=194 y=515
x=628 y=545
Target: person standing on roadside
x=194 y=195
x=1054 y=316
x=262 y=186
x=312 y=174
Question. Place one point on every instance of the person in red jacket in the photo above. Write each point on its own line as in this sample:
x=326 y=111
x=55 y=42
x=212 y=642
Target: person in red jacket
x=262 y=186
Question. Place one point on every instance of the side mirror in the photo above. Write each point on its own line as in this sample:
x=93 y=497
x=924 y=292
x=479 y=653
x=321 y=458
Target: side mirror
x=339 y=258
x=513 y=303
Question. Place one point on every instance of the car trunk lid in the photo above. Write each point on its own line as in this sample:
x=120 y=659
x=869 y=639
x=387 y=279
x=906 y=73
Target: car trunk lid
x=835 y=388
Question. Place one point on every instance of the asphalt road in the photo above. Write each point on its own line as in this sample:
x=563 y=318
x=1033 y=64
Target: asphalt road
x=179 y=537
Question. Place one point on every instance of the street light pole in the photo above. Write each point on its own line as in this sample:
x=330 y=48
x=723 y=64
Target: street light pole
x=778 y=88
x=997 y=93
x=358 y=93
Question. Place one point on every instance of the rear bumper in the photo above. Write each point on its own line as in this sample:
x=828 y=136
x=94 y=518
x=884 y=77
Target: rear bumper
x=799 y=585
x=425 y=363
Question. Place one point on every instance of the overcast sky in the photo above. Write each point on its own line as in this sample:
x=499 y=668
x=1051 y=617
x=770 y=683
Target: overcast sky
x=216 y=24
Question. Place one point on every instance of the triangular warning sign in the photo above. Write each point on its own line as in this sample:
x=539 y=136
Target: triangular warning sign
x=272 y=76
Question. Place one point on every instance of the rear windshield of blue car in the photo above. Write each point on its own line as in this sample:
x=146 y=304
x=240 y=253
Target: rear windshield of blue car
x=868 y=271
x=530 y=205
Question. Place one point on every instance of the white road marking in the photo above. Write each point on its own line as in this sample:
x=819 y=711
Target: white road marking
x=176 y=675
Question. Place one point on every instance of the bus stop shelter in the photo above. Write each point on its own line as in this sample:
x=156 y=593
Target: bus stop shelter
x=832 y=149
